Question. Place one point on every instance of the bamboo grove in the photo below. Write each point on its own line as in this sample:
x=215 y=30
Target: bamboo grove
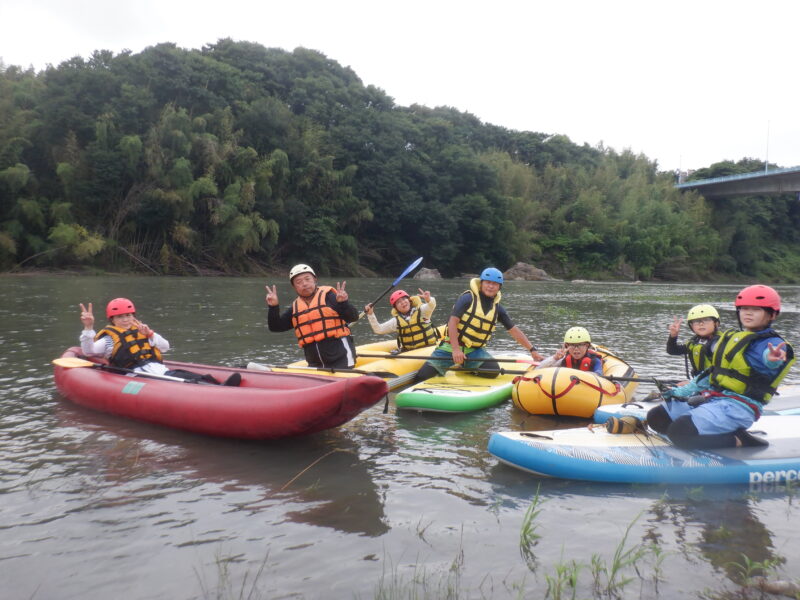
x=238 y=158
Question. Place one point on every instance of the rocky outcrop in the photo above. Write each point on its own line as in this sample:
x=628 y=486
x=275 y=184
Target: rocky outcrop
x=525 y=272
x=424 y=273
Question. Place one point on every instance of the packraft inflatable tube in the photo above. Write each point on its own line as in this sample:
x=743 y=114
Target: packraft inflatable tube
x=265 y=405
x=570 y=392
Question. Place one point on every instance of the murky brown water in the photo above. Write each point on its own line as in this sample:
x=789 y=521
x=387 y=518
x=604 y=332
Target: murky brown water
x=94 y=506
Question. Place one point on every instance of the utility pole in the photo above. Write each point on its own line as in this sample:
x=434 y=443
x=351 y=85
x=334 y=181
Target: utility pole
x=766 y=161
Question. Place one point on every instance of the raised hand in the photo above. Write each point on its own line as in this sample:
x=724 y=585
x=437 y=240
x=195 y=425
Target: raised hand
x=272 y=295
x=143 y=329
x=777 y=353
x=675 y=328
x=341 y=294
x=87 y=318
x=426 y=295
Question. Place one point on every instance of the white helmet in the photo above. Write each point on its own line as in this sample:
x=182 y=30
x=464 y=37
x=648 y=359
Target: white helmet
x=298 y=269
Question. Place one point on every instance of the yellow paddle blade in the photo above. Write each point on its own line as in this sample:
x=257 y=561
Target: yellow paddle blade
x=72 y=361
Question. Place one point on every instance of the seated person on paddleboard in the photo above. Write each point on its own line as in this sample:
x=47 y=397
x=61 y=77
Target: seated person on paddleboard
x=703 y=321
x=319 y=316
x=129 y=344
x=576 y=353
x=411 y=320
x=470 y=327
x=714 y=408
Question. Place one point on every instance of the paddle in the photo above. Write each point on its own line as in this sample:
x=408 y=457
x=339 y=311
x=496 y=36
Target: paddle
x=511 y=360
x=254 y=366
x=659 y=383
x=408 y=270
x=71 y=362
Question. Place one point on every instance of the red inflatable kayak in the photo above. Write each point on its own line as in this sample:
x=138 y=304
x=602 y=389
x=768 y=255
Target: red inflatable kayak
x=265 y=406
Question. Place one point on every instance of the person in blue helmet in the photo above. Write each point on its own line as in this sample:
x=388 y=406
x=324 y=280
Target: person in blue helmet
x=470 y=327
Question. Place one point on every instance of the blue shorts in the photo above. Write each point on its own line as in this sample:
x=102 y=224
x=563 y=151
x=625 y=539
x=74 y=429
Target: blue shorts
x=718 y=415
x=446 y=360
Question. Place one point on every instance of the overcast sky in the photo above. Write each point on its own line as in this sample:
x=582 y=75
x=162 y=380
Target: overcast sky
x=687 y=83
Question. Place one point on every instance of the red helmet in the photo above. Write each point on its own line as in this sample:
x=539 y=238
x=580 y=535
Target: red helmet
x=119 y=306
x=759 y=295
x=397 y=295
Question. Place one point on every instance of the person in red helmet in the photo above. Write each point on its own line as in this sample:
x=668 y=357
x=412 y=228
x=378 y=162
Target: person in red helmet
x=130 y=344
x=411 y=319
x=715 y=408
x=319 y=316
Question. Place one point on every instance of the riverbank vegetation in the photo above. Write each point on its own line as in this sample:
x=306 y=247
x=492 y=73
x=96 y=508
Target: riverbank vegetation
x=238 y=158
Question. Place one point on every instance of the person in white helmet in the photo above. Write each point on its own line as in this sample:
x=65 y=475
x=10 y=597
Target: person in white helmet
x=319 y=316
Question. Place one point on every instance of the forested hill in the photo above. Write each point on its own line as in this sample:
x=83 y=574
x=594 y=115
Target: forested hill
x=239 y=158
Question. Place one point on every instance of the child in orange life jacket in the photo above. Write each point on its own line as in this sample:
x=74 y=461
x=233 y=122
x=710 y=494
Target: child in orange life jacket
x=714 y=409
x=703 y=321
x=576 y=353
x=319 y=316
x=129 y=344
x=411 y=320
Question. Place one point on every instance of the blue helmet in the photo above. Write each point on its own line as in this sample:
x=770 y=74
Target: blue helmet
x=492 y=274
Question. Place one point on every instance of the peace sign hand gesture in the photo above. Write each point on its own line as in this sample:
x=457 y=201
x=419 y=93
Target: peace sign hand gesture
x=272 y=295
x=426 y=295
x=675 y=328
x=777 y=353
x=87 y=318
x=341 y=294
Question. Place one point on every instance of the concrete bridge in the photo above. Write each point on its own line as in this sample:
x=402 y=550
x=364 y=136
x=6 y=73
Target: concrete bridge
x=762 y=183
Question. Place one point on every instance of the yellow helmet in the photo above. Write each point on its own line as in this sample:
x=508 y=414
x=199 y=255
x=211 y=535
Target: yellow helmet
x=702 y=311
x=577 y=335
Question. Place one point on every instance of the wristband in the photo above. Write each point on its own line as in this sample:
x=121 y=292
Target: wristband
x=532 y=349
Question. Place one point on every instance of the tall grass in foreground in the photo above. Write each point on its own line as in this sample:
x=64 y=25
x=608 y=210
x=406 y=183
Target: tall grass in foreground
x=598 y=579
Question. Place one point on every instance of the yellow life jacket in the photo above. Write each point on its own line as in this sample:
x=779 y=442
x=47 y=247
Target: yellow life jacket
x=314 y=320
x=700 y=354
x=131 y=347
x=413 y=331
x=731 y=371
x=475 y=327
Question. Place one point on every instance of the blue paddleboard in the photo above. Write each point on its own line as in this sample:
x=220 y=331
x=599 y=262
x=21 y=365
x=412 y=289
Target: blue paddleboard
x=596 y=455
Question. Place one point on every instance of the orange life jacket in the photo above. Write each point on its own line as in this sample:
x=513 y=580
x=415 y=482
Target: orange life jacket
x=584 y=364
x=131 y=347
x=314 y=320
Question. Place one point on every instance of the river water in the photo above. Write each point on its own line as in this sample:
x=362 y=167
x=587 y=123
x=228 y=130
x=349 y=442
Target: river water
x=389 y=505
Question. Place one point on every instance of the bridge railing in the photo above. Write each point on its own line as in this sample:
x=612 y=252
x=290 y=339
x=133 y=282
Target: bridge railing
x=700 y=182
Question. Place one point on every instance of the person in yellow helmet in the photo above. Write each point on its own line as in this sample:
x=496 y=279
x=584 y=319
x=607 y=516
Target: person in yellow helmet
x=703 y=321
x=576 y=353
